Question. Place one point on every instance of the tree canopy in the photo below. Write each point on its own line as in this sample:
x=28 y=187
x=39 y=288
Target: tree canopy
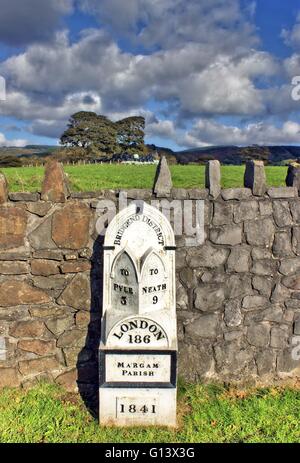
x=96 y=133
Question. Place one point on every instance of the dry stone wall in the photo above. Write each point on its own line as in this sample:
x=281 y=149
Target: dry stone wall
x=238 y=293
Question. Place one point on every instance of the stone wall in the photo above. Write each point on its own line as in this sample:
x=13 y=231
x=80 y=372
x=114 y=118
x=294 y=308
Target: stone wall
x=238 y=293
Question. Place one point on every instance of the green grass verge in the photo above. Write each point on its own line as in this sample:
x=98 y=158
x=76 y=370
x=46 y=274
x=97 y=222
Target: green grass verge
x=105 y=176
x=206 y=414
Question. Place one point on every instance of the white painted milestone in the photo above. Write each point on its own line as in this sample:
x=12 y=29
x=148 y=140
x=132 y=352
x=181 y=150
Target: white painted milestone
x=138 y=349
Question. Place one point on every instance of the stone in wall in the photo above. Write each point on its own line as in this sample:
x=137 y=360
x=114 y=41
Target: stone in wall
x=254 y=302
x=72 y=338
x=287 y=365
x=37 y=346
x=265 y=361
x=292 y=282
x=14 y=293
x=237 y=285
x=236 y=193
x=78 y=293
x=40 y=208
x=223 y=213
x=258 y=335
x=52 y=282
x=70 y=226
x=30 y=329
x=44 y=267
x=207 y=256
x=209 y=297
x=233 y=316
x=282 y=192
x=13 y=268
x=13 y=222
x=9 y=377
x=263 y=285
x=40 y=238
x=260 y=232
x=205 y=326
x=68 y=380
x=245 y=210
x=239 y=259
x=279 y=293
x=279 y=337
x=265 y=207
x=234 y=361
x=282 y=246
x=228 y=234
x=296 y=240
x=188 y=277
x=196 y=362
x=289 y=266
x=60 y=322
x=267 y=267
x=39 y=365
x=282 y=213
x=295 y=210
x=75 y=267
x=182 y=300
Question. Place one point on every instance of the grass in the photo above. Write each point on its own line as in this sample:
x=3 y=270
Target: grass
x=207 y=414
x=114 y=176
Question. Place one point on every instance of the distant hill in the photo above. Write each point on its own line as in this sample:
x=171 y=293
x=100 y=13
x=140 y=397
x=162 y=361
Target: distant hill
x=29 y=150
x=273 y=155
x=161 y=151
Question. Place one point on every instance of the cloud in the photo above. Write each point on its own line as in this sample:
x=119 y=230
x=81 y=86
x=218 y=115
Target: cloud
x=48 y=128
x=21 y=106
x=16 y=142
x=169 y=23
x=208 y=132
x=161 y=128
x=292 y=36
x=196 y=79
x=250 y=8
x=27 y=21
x=193 y=60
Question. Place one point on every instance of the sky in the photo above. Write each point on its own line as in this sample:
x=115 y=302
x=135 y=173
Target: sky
x=201 y=72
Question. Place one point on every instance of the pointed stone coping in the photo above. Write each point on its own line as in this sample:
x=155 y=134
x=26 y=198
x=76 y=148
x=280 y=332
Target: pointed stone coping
x=163 y=180
x=213 y=178
x=293 y=176
x=55 y=185
x=255 y=177
x=3 y=189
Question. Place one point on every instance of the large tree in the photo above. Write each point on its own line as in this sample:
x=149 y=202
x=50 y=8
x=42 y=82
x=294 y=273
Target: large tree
x=130 y=134
x=90 y=130
x=96 y=133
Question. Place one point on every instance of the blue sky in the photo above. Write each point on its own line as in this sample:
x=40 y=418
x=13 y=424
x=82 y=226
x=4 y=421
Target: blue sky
x=202 y=72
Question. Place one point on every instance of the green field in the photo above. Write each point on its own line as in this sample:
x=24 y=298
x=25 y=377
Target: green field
x=206 y=414
x=116 y=176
